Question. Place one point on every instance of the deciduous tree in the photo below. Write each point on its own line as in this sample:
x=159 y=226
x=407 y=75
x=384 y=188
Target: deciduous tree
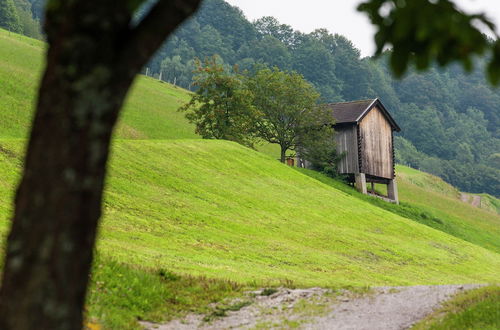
x=288 y=105
x=221 y=108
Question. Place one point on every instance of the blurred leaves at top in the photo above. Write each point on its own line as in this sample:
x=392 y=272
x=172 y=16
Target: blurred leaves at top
x=421 y=32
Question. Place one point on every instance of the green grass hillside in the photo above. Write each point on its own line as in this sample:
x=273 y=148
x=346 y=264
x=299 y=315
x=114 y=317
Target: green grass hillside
x=475 y=309
x=442 y=201
x=150 y=110
x=489 y=202
x=469 y=226
x=217 y=209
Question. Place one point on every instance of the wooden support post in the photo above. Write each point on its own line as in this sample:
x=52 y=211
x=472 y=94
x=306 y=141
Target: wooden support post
x=361 y=182
x=392 y=191
x=373 y=187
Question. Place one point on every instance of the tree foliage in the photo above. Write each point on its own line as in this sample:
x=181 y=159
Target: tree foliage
x=317 y=145
x=288 y=108
x=421 y=32
x=9 y=18
x=269 y=105
x=221 y=108
x=30 y=25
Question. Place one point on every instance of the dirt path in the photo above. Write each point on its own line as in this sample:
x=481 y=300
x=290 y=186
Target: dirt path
x=381 y=308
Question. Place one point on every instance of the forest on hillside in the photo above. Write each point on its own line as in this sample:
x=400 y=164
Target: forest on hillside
x=450 y=119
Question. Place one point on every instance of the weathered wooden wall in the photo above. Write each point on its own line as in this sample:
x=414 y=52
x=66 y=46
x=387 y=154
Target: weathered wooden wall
x=347 y=141
x=375 y=135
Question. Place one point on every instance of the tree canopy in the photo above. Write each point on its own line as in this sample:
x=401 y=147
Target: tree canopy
x=267 y=105
x=221 y=107
x=287 y=107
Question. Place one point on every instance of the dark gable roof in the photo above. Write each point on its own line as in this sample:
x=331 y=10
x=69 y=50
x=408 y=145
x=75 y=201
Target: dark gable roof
x=353 y=112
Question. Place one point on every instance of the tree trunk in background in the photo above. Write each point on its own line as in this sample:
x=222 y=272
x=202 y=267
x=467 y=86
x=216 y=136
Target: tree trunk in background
x=93 y=56
x=283 y=154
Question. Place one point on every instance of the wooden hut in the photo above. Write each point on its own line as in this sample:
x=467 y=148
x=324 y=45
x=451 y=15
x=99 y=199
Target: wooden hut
x=364 y=133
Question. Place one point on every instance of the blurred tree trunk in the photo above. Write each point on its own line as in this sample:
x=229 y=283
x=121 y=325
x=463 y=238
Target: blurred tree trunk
x=94 y=53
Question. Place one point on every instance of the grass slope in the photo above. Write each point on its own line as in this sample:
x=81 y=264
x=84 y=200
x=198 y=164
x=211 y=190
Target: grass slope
x=475 y=309
x=490 y=203
x=215 y=208
x=471 y=230
x=149 y=112
x=428 y=192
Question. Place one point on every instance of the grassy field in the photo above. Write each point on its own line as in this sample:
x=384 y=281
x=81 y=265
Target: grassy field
x=120 y=294
x=149 y=113
x=189 y=221
x=470 y=228
x=490 y=203
x=476 y=309
x=217 y=209
x=473 y=224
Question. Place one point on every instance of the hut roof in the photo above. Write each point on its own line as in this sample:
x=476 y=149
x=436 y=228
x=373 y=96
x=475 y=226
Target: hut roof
x=353 y=112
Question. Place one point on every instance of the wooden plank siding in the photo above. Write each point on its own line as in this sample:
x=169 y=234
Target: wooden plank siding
x=375 y=134
x=347 y=141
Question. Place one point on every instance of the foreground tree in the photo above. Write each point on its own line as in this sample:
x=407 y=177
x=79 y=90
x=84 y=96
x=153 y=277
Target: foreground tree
x=95 y=50
x=221 y=108
x=287 y=106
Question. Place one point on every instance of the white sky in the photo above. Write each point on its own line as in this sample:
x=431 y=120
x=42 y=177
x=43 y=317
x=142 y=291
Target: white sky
x=340 y=16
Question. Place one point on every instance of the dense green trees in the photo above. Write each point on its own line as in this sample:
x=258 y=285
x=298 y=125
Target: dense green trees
x=9 y=19
x=37 y=7
x=16 y=16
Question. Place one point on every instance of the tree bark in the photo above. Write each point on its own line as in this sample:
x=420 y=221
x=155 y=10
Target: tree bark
x=93 y=56
x=283 y=154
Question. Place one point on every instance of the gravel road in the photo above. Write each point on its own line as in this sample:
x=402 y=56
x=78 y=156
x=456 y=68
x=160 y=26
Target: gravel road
x=390 y=308
x=381 y=308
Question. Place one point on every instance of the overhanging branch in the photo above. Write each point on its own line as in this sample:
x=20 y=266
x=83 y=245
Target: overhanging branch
x=144 y=39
